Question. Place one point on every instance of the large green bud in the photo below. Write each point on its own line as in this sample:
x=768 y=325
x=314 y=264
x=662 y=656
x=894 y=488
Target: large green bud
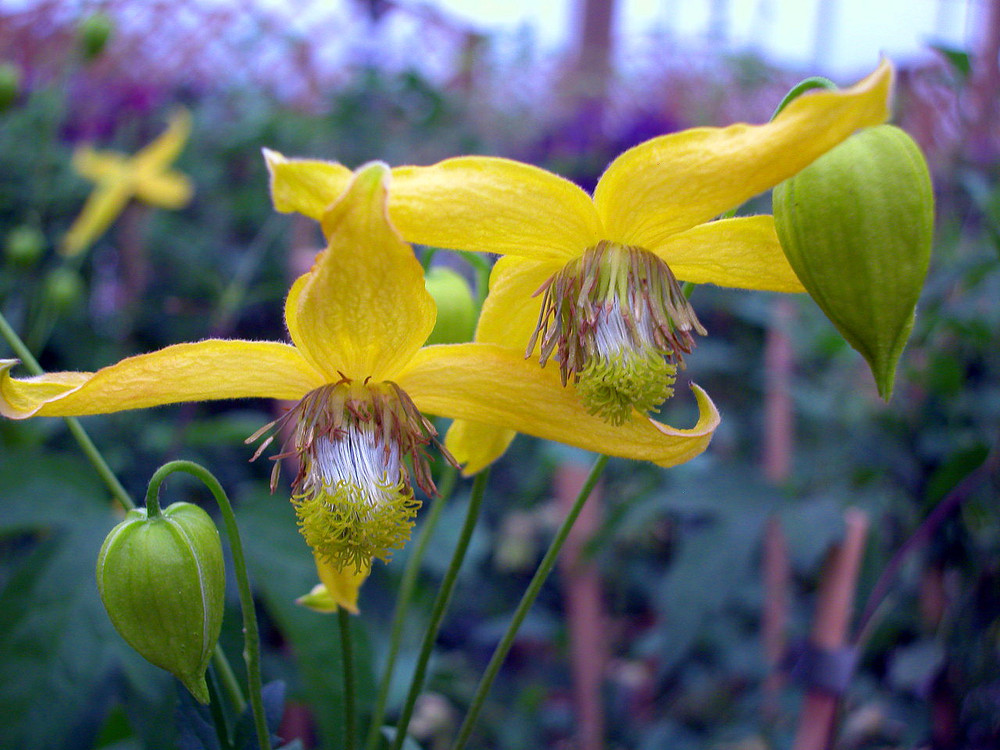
x=162 y=581
x=857 y=226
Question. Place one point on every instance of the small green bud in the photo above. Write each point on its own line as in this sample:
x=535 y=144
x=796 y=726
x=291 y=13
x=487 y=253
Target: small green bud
x=24 y=246
x=10 y=84
x=162 y=581
x=63 y=288
x=456 y=309
x=857 y=226
x=93 y=33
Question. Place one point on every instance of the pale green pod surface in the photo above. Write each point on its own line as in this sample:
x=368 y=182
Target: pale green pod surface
x=456 y=309
x=857 y=226
x=162 y=581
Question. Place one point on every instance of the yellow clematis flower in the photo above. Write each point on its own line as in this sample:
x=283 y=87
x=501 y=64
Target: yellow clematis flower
x=361 y=379
x=592 y=281
x=119 y=178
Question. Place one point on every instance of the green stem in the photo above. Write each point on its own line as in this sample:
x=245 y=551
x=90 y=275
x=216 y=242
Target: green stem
x=407 y=585
x=441 y=605
x=251 y=642
x=544 y=568
x=814 y=82
x=347 y=662
x=76 y=429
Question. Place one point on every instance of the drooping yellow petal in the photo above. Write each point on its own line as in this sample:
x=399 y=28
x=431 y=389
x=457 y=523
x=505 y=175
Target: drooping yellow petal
x=742 y=253
x=475 y=445
x=674 y=182
x=490 y=384
x=167 y=147
x=202 y=371
x=338 y=588
x=103 y=206
x=363 y=309
x=305 y=186
x=492 y=205
x=510 y=312
x=169 y=189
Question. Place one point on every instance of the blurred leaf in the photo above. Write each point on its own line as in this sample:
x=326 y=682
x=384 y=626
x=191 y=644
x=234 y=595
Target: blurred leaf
x=959 y=59
x=389 y=736
x=196 y=729
x=958 y=466
x=811 y=528
x=273 y=695
x=54 y=640
x=282 y=569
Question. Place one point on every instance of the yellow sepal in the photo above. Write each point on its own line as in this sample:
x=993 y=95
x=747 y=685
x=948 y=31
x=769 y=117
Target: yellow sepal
x=202 y=371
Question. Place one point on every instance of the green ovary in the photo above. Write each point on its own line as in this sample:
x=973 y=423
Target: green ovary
x=611 y=386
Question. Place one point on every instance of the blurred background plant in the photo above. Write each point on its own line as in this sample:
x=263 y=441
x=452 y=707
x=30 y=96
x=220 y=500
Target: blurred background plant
x=665 y=630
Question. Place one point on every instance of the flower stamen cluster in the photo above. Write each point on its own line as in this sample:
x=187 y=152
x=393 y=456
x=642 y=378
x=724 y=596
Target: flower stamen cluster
x=612 y=318
x=352 y=493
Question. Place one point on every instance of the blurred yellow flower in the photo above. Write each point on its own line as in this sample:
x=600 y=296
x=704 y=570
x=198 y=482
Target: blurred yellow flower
x=360 y=376
x=119 y=178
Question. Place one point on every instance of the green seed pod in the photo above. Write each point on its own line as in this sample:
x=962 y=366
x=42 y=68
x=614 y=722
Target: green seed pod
x=93 y=34
x=857 y=226
x=162 y=581
x=24 y=246
x=456 y=310
x=10 y=84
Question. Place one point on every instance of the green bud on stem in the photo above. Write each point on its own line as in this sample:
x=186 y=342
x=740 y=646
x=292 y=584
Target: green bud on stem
x=162 y=581
x=857 y=226
x=456 y=309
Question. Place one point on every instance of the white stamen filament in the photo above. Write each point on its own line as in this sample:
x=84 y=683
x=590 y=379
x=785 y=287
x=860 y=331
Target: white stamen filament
x=359 y=458
x=614 y=336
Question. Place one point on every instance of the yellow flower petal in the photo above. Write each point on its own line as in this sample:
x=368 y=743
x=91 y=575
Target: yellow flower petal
x=207 y=370
x=742 y=252
x=673 y=182
x=305 y=186
x=165 y=149
x=363 y=309
x=487 y=383
x=492 y=205
x=476 y=445
x=168 y=189
x=102 y=207
x=97 y=165
x=510 y=312
x=340 y=586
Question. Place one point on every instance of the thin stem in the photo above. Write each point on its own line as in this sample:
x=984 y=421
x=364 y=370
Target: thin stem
x=407 y=585
x=227 y=677
x=527 y=600
x=76 y=429
x=440 y=606
x=251 y=641
x=814 y=82
x=347 y=662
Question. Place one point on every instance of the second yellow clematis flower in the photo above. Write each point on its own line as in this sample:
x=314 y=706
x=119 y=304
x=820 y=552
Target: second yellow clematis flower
x=361 y=379
x=119 y=178
x=593 y=281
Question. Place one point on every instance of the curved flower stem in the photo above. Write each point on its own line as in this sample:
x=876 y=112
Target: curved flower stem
x=441 y=605
x=406 y=586
x=76 y=429
x=347 y=662
x=527 y=600
x=251 y=642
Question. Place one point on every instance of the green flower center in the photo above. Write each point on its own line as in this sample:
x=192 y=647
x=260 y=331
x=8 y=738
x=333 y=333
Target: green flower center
x=618 y=324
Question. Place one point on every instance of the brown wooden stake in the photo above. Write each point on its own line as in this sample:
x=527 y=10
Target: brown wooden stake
x=584 y=607
x=829 y=632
